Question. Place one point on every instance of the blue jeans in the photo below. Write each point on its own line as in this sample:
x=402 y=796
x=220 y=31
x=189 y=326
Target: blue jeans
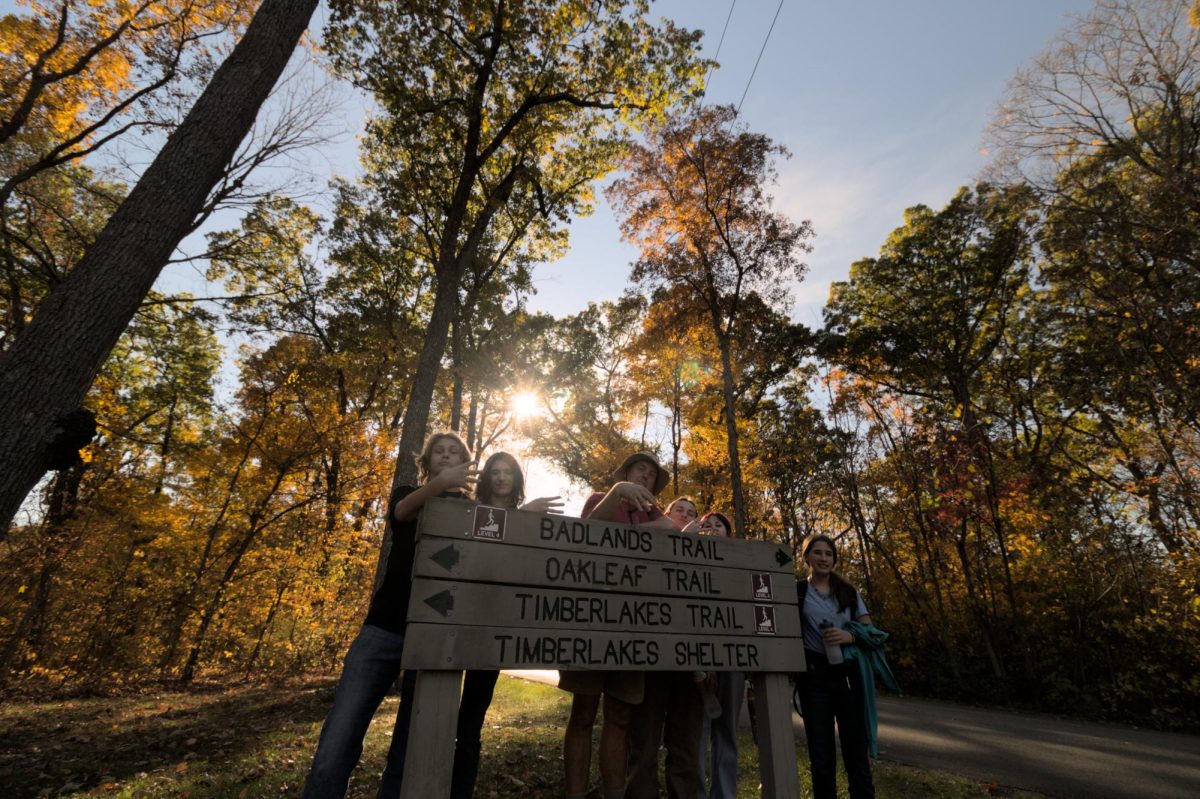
x=722 y=731
x=368 y=672
x=829 y=693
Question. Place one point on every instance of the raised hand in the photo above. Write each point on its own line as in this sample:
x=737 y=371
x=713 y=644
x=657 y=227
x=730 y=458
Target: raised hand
x=461 y=477
x=636 y=495
x=544 y=505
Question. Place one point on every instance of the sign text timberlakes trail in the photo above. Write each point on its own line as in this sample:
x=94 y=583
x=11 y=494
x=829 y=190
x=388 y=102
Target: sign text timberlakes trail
x=498 y=588
x=492 y=605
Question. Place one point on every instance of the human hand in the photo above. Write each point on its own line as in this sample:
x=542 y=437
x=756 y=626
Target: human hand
x=636 y=495
x=455 y=477
x=691 y=527
x=544 y=505
x=837 y=636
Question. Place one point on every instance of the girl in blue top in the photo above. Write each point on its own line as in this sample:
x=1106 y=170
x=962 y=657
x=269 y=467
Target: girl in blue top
x=832 y=690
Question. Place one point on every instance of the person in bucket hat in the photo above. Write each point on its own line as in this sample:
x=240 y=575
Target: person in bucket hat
x=630 y=500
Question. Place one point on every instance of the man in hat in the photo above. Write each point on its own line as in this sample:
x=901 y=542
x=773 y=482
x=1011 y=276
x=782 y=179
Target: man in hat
x=637 y=482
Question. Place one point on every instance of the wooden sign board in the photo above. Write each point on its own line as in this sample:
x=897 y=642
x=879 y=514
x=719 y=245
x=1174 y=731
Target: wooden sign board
x=446 y=518
x=486 y=562
x=437 y=646
x=493 y=605
x=496 y=588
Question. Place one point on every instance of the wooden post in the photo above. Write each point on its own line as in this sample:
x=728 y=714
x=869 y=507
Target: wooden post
x=777 y=752
x=429 y=762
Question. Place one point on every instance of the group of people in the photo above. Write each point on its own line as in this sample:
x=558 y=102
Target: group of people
x=643 y=711
x=694 y=715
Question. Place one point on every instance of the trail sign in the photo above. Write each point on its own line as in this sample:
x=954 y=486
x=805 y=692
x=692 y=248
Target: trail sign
x=495 y=605
x=497 y=588
x=484 y=562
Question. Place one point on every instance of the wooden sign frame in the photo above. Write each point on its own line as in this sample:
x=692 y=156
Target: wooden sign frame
x=463 y=587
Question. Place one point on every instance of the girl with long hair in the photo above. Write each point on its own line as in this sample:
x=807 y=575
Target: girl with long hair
x=831 y=689
x=373 y=662
x=501 y=485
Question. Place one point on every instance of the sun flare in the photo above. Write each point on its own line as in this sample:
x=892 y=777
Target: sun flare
x=525 y=405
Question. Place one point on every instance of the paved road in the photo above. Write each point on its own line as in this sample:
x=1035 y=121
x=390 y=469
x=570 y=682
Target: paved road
x=1037 y=753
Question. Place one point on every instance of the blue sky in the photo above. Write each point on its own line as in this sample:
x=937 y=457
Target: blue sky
x=882 y=104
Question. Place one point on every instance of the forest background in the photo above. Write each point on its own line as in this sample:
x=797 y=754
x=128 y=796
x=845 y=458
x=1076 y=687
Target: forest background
x=997 y=415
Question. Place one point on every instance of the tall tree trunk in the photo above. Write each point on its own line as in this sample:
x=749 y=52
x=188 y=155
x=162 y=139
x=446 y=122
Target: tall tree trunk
x=676 y=427
x=473 y=423
x=164 y=450
x=456 y=359
x=266 y=625
x=57 y=541
x=735 y=464
x=420 y=397
x=77 y=325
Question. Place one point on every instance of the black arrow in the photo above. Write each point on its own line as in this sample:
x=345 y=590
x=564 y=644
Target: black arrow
x=781 y=558
x=443 y=602
x=446 y=558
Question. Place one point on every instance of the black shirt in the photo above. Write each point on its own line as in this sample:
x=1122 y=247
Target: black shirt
x=389 y=606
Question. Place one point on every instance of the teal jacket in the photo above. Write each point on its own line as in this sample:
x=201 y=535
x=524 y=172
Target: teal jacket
x=867 y=652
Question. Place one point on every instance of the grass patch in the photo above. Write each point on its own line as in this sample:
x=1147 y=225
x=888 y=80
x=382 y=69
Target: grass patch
x=257 y=741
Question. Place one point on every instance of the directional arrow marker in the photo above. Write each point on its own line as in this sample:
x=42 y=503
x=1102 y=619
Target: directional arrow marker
x=446 y=558
x=781 y=558
x=442 y=602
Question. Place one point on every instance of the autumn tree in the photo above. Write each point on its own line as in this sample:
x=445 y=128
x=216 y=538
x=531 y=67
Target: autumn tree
x=673 y=368
x=76 y=78
x=927 y=320
x=69 y=330
x=77 y=567
x=273 y=267
x=587 y=357
x=696 y=202
x=1105 y=124
x=473 y=123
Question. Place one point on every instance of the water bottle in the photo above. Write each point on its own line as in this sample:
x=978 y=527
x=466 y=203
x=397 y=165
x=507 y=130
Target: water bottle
x=833 y=652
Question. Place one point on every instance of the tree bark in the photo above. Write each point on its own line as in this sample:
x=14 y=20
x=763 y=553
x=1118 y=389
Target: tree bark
x=735 y=463
x=52 y=363
x=420 y=397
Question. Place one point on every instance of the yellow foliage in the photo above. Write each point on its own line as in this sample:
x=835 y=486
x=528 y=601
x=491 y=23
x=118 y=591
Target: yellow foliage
x=60 y=82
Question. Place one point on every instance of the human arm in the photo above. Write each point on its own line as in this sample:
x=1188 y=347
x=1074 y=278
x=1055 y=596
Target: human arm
x=449 y=479
x=631 y=494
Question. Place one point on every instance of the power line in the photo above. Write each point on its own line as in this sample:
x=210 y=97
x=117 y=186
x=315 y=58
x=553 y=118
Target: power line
x=716 y=55
x=760 y=55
